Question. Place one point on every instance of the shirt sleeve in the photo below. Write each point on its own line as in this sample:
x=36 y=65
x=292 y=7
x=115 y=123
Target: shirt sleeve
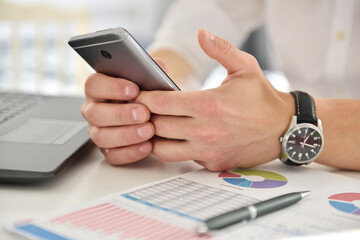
x=230 y=19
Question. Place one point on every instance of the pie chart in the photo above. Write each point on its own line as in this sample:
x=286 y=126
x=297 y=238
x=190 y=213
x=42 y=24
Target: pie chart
x=253 y=178
x=346 y=202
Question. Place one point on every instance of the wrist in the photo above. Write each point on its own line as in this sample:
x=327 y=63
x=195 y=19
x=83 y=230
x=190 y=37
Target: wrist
x=280 y=122
x=288 y=111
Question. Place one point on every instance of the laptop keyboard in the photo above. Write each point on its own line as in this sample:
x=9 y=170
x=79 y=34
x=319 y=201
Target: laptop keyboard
x=13 y=104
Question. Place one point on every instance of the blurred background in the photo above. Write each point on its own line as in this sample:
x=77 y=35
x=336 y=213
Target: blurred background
x=35 y=56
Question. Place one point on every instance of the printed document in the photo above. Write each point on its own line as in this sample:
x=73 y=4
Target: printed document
x=174 y=207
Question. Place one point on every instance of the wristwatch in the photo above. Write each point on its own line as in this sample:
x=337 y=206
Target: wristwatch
x=304 y=139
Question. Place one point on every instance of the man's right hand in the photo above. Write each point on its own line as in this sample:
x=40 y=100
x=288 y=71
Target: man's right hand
x=118 y=126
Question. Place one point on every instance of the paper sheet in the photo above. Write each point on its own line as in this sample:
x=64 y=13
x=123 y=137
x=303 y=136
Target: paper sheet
x=174 y=207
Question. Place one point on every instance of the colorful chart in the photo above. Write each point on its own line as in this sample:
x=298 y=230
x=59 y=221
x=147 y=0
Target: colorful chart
x=113 y=221
x=346 y=202
x=253 y=178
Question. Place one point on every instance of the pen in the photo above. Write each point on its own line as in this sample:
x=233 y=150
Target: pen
x=251 y=212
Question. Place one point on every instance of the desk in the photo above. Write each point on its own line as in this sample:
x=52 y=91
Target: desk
x=89 y=178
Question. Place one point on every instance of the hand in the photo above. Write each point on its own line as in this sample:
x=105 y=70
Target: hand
x=238 y=124
x=120 y=128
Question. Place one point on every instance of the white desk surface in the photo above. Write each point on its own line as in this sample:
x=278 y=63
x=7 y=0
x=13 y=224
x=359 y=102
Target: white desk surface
x=89 y=178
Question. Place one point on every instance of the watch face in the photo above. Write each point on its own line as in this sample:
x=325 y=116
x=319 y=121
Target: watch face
x=303 y=143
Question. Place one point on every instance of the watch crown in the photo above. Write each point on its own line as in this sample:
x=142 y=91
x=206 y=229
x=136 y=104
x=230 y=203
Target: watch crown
x=281 y=139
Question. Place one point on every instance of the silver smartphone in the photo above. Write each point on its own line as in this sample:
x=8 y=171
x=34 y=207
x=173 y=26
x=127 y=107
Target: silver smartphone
x=116 y=53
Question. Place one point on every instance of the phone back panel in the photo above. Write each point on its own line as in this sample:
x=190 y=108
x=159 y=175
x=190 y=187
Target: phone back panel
x=128 y=60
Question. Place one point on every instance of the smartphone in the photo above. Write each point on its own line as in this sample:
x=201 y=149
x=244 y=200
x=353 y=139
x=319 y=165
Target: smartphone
x=116 y=53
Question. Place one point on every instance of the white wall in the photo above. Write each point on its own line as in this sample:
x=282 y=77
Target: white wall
x=39 y=60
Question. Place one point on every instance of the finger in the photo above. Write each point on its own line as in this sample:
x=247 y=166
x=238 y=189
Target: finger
x=176 y=103
x=214 y=166
x=172 y=127
x=113 y=114
x=172 y=150
x=128 y=154
x=111 y=137
x=162 y=64
x=100 y=86
x=221 y=50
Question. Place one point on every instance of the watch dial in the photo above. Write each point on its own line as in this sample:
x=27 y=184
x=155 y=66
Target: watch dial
x=304 y=143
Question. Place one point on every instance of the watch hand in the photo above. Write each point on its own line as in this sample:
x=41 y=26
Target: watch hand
x=306 y=144
x=303 y=143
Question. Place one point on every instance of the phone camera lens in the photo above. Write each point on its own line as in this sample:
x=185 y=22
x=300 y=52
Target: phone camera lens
x=105 y=54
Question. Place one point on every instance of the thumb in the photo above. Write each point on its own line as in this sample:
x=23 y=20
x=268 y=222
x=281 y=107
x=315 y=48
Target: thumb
x=221 y=50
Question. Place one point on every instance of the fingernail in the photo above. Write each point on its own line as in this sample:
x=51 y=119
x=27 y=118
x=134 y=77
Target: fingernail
x=145 y=131
x=139 y=114
x=131 y=91
x=145 y=147
x=210 y=37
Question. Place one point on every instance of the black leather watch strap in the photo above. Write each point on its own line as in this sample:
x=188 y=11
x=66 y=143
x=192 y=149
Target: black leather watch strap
x=304 y=107
x=291 y=163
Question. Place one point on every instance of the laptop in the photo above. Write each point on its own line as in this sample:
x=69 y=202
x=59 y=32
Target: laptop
x=39 y=135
